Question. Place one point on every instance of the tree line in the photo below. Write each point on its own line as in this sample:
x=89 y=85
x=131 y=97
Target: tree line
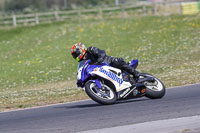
x=42 y=5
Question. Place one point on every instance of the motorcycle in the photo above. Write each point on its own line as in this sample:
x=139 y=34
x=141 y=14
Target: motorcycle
x=106 y=84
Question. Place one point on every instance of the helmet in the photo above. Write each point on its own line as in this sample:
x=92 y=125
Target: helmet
x=78 y=51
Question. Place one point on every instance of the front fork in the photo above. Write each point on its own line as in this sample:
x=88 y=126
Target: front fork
x=97 y=82
x=100 y=87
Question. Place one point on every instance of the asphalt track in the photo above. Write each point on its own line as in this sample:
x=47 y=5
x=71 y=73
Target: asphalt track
x=87 y=115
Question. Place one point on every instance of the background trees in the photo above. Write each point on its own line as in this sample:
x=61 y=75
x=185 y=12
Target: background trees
x=41 y=5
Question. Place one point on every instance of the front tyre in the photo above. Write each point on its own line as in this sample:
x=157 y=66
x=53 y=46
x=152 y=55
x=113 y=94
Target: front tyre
x=155 y=89
x=106 y=95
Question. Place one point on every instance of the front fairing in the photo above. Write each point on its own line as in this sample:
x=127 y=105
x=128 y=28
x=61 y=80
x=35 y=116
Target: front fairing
x=80 y=69
x=83 y=72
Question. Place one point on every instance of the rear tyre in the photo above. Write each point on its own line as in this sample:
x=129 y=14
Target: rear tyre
x=155 y=89
x=104 y=96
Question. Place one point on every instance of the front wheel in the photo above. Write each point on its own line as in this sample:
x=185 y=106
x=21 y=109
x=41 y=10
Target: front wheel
x=154 y=89
x=105 y=95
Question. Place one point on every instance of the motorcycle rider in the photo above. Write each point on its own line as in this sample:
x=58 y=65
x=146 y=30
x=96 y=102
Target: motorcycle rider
x=98 y=56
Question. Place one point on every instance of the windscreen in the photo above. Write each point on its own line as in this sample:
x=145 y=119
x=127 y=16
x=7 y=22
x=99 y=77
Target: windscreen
x=81 y=64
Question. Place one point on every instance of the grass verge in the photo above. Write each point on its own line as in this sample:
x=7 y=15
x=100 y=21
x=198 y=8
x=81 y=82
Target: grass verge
x=37 y=68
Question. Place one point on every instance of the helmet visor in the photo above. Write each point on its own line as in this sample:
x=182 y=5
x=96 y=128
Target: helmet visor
x=76 y=53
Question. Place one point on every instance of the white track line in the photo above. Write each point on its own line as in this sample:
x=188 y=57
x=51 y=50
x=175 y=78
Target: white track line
x=175 y=125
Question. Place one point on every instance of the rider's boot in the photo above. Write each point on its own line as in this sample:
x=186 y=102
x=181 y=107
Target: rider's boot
x=134 y=76
x=130 y=70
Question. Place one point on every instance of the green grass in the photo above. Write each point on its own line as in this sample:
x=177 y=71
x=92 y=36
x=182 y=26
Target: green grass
x=37 y=68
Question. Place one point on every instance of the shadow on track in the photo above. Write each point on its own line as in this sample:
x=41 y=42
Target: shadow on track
x=94 y=104
x=85 y=105
x=132 y=100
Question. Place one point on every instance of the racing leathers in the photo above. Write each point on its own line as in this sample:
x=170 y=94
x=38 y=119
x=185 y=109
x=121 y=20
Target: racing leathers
x=98 y=56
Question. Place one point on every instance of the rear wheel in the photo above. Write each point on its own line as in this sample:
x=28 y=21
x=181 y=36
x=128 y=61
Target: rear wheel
x=105 y=95
x=154 y=89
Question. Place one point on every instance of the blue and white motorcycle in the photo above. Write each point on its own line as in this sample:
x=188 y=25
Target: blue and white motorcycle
x=106 y=85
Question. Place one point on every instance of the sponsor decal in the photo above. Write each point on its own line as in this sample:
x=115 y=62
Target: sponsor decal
x=111 y=75
x=126 y=91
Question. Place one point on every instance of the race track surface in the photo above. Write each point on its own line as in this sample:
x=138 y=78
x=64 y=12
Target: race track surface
x=87 y=115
